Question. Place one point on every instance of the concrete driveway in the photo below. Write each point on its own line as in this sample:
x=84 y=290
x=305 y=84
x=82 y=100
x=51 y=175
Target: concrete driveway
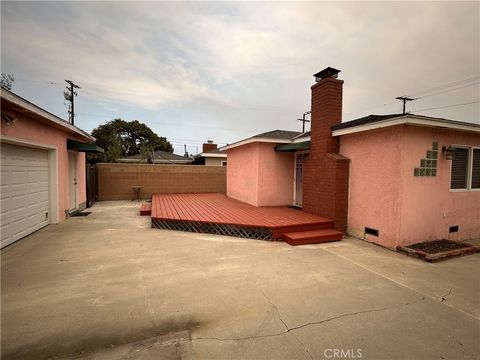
x=107 y=286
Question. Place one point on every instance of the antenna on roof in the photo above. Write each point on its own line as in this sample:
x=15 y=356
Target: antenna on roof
x=405 y=99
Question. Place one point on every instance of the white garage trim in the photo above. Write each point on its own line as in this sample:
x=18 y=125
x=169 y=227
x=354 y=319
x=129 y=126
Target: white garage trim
x=52 y=172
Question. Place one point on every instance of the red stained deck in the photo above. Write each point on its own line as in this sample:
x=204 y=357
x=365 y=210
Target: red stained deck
x=212 y=208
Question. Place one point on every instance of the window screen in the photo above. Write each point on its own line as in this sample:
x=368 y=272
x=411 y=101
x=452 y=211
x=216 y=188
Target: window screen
x=459 y=169
x=476 y=169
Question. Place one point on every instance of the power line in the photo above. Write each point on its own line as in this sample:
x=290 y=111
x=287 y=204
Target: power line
x=448 y=90
x=447 y=106
x=447 y=85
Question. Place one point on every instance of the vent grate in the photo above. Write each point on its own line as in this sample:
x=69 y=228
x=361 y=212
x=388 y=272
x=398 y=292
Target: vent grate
x=371 y=231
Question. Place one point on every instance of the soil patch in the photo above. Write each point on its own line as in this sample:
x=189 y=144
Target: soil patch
x=439 y=250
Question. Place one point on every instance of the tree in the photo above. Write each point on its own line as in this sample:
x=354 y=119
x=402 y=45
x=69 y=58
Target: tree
x=7 y=81
x=124 y=138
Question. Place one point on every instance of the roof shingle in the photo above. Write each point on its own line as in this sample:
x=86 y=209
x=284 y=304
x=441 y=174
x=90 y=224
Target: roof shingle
x=278 y=134
x=364 y=120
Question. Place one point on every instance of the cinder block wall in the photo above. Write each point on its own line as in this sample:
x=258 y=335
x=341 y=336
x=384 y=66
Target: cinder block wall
x=115 y=181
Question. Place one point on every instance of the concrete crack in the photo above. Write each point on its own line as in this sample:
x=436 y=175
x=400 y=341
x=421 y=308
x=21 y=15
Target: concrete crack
x=353 y=314
x=286 y=326
x=292 y=329
x=302 y=345
x=276 y=310
x=444 y=296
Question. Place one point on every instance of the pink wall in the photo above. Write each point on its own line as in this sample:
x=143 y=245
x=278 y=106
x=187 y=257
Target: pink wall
x=40 y=133
x=276 y=177
x=429 y=207
x=242 y=173
x=259 y=176
x=384 y=194
x=374 y=182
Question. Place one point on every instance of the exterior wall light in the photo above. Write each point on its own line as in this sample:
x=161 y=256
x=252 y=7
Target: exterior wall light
x=449 y=152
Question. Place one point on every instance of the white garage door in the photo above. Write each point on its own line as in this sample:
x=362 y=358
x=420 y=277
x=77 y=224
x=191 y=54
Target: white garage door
x=24 y=191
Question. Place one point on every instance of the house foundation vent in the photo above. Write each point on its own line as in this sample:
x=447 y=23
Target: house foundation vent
x=371 y=231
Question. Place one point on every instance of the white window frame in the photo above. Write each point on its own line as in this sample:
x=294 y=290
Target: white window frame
x=469 y=169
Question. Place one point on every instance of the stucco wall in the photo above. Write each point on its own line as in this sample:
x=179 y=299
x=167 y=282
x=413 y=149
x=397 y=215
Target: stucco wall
x=276 y=176
x=242 y=173
x=115 y=181
x=37 y=132
x=259 y=176
x=374 y=182
x=384 y=194
x=428 y=205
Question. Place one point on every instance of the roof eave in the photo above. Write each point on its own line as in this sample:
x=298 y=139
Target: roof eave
x=416 y=120
x=30 y=107
x=254 y=140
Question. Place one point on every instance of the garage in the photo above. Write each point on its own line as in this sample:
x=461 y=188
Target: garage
x=24 y=191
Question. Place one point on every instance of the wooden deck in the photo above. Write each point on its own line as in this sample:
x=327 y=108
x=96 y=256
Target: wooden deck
x=216 y=213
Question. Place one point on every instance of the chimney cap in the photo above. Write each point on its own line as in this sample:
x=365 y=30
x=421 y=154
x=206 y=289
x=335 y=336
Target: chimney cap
x=327 y=72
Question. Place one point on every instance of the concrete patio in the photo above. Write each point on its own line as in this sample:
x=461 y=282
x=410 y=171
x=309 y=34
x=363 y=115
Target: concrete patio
x=107 y=286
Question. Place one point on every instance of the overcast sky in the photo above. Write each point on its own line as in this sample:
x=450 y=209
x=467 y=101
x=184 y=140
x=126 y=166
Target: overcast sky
x=224 y=71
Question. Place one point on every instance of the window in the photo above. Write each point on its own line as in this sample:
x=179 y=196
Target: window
x=224 y=163
x=465 y=170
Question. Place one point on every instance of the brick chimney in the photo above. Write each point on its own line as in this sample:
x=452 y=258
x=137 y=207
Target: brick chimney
x=209 y=146
x=325 y=181
x=326 y=110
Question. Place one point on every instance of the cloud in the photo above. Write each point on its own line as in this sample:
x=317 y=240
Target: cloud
x=241 y=62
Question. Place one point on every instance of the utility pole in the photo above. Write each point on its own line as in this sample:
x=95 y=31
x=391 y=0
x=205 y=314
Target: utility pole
x=303 y=120
x=69 y=96
x=404 y=99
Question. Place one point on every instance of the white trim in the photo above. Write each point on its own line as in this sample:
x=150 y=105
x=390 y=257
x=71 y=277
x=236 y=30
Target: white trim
x=25 y=104
x=411 y=120
x=52 y=172
x=53 y=186
x=470 y=149
x=18 y=141
x=212 y=155
x=302 y=139
x=254 y=140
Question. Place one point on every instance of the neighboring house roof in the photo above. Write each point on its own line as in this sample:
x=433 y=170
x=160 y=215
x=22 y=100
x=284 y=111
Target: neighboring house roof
x=22 y=105
x=372 y=122
x=275 y=136
x=217 y=153
x=278 y=134
x=159 y=156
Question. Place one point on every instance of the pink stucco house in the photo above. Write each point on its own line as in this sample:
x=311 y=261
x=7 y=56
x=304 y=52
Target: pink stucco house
x=42 y=168
x=391 y=179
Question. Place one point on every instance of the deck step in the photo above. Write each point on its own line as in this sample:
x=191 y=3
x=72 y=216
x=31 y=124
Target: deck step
x=279 y=231
x=146 y=209
x=312 y=236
